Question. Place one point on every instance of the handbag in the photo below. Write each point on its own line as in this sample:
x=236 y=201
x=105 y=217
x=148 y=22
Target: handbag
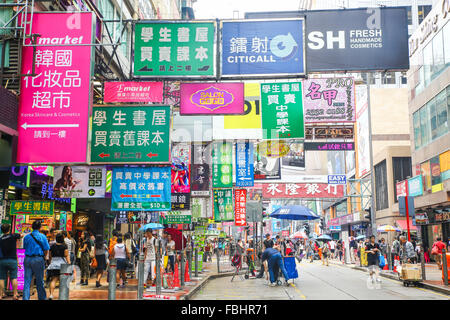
x=94 y=263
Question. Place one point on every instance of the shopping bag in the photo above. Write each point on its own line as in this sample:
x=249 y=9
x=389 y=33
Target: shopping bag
x=382 y=261
x=166 y=261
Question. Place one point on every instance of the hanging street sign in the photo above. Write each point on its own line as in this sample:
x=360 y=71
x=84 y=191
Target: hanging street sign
x=302 y=190
x=175 y=49
x=244 y=164
x=222 y=155
x=32 y=207
x=129 y=91
x=239 y=207
x=337 y=179
x=124 y=134
x=176 y=217
x=200 y=170
x=333 y=146
x=223 y=205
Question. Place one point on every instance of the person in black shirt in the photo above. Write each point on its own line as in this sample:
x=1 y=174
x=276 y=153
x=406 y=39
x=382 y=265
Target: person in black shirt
x=268 y=243
x=8 y=259
x=58 y=255
x=373 y=250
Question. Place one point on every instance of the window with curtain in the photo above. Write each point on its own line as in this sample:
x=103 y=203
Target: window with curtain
x=381 y=187
x=401 y=167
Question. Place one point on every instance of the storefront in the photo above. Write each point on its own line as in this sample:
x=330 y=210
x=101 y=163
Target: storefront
x=433 y=223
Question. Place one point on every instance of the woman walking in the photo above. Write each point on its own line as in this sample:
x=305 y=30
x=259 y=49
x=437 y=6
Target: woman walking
x=120 y=253
x=59 y=254
x=84 y=249
x=100 y=256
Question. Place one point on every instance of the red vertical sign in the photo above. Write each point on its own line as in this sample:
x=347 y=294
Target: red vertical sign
x=240 y=197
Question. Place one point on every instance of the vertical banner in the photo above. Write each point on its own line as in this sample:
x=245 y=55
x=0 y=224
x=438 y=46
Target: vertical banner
x=362 y=125
x=181 y=158
x=175 y=49
x=223 y=205
x=244 y=164
x=69 y=221
x=329 y=100
x=282 y=110
x=436 y=179
x=54 y=104
x=240 y=199
x=222 y=154
x=200 y=169
x=141 y=189
x=62 y=221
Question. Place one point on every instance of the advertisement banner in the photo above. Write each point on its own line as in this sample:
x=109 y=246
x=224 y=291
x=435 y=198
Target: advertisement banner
x=244 y=164
x=362 y=125
x=31 y=207
x=175 y=217
x=181 y=159
x=444 y=159
x=329 y=100
x=130 y=134
x=223 y=205
x=245 y=126
x=436 y=179
x=145 y=92
x=302 y=190
x=425 y=170
x=212 y=98
x=325 y=146
x=141 y=189
x=282 y=110
x=240 y=199
x=266 y=168
x=174 y=49
x=54 y=105
x=295 y=158
x=402 y=188
x=20 y=270
x=181 y=201
x=200 y=169
x=222 y=160
x=62 y=221
x=262 y=48
x=79 y=182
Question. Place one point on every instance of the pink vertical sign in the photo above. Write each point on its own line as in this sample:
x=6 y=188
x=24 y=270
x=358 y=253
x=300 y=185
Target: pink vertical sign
x=54 y=104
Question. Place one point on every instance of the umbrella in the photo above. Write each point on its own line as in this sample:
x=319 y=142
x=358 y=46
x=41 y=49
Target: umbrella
x=177 y=236
x=299 y=235
x=360 y=237
x=294 y=213
x=387 y=228
x=153 y=226
x=324 y=237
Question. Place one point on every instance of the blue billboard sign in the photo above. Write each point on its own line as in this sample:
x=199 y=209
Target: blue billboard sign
x=244 y=164
x=337 y=179
x=141 y=189
x=262 y=48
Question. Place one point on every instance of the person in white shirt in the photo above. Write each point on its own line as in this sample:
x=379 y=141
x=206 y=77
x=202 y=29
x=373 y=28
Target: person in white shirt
x=149 y=255
x=170 y=247
x=332 y=247
x=120 y=253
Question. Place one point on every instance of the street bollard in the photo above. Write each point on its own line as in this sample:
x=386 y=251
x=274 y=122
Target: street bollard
x=182 y=269
x=389 y=257
x=218 y=261
x=196 y=262
x=158 y=268
x=112 y=279
x=444 y=266
x=64 y=281
x=422 y=265
x=141 y=276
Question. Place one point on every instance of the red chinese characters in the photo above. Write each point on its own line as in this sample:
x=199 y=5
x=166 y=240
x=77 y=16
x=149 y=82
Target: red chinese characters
x=302 y=190
x=240 y=198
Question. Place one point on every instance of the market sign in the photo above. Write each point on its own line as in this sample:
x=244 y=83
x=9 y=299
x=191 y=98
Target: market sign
x=326 y=146
x=223 y=205
x=175 y=217
x=200 y=169
x=329 y=132
x=240 y=199
x=244 y=164
x=31 y=207
x=175 y=49
x=282 y=110
x=144 y=92
x=329 y=100
x=141 y=189
x=212 y=98
x=54 y=104
x=302 y=190
x=222 y=159
x=262 y=48
x=79 y=181
x=129 y=134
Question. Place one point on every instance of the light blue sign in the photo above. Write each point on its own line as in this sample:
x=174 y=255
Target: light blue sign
x=244 y=164
x=415 y=187
x=262 y=48
x=337 y=179
x=334 y=228
x=141 y=189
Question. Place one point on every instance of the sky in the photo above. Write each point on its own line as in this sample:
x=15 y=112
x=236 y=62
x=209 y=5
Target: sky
x=223 y=9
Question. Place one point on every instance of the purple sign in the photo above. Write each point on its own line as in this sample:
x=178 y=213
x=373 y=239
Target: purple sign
x=325 y=146
x=20 y=270
x=212 y=98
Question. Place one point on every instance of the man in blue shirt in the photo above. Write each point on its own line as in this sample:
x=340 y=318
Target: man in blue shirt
x=36 y=248
x=275 y=261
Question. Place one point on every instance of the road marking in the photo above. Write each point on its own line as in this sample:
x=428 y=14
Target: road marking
x=298 y=290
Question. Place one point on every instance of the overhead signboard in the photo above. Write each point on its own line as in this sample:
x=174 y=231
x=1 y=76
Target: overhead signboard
x=302 y=190
x=282 y=110
x=54 y=104
x=402 y=188
x=130 y=91
x=239 y=207
x=329 y=100
x=175 y=49
x=329 y=146
x=32 y=207
x=362 y=127
x=212 y=98
x=176 y=217
x=181 y=159
x=200 y=169
x=223 y=205
x=222 y=161
x=262 y=48
x=337 y=179
x=130 y=134
x=329 y=132
x=415 y=187
x=79 y=181
x=244 y=164
x=402 y=206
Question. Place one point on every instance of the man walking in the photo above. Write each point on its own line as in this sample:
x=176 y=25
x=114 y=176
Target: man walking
x=275 y=261
x=36 y=248
x=8 y=259
x=407 y=252
x=149 y=255
x=372 y=250
x=325 y=252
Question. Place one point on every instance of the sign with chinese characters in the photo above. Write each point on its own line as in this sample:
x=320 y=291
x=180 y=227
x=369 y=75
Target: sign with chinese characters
x=54 y=104
x=181 y=201
x=122 y=217
x=181 y=158
x=141 y=189
x=244 y=164
x=79 y=181
x=415 y=187
x=329 y=100
x=130 y=91
x=212 y=98
x=240 y=199
x=302 y=190
x=223 y=205
x=325 y=146
x=337 y=179
x=402 y=188
x=329 y=132
x=200 y=169
x=201 y=208
x=262 y=48
x=285 y=233
x=222 y=158
x=130 y=134
x=48 y=193
x=31 y=207
x=174 y=49
x=175 y=217
x=282 y=110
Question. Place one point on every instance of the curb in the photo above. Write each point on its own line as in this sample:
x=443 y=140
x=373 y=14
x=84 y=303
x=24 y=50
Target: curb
x=203 y=283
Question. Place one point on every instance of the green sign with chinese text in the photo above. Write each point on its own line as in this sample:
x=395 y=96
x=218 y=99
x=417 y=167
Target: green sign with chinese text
x=32 y=207
x=223 y=205
x=175 y=217
x=222 y=156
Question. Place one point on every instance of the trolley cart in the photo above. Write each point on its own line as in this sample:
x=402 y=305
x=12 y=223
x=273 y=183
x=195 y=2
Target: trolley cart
x=249 y=259
x=291 y=268
x=410 y=275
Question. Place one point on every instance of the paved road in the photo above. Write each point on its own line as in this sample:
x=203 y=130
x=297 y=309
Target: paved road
x=315 y=282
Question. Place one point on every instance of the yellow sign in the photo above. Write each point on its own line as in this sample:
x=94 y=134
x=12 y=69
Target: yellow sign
x=252 y=111
x=273 y=148
x=444 y=160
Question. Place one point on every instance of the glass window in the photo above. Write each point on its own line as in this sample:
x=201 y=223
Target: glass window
x=381 y=187
x=424 y=125
x=420 y=83
x=409 y=13
x=438 y=54
x=388 y=78
x=423 y=11
x=431 y=106
x=416 y=124
x=441 y=113
x=401 y=167
x=427 y=63
x=446 y=39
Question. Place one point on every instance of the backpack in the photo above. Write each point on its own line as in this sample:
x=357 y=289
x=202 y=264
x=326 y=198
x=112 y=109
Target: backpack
x=236 y=260
x=112 y=243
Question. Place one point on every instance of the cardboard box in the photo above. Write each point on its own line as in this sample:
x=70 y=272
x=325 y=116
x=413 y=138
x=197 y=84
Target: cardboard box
x=411 y=272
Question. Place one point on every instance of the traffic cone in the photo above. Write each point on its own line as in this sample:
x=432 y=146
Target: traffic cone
x=176 y=278
x=386 y=264
x=187 y=279
x=396 y=263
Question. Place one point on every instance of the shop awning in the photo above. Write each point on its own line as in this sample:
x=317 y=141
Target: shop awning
x=402 y=225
